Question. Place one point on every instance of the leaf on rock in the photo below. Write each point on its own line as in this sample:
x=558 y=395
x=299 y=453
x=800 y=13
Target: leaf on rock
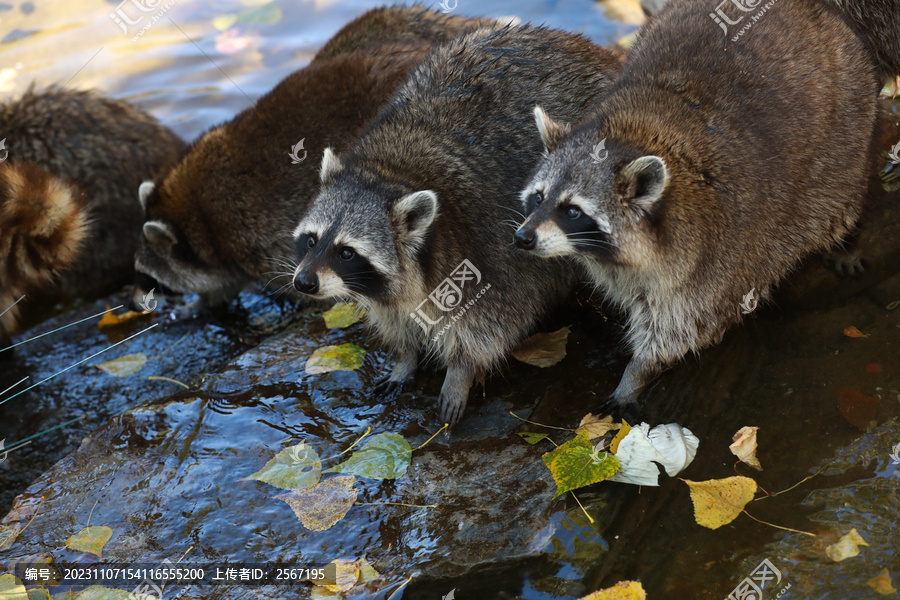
x=384 y=456
x=532 y=437
x=853 y=332
x=11 y=588
x=346 y=357
x=573 y=465
x=111 y=320
x=882 y=583
x=98 y=592
x=718 y=502
x=324 y=504
x=90 y=539
x=294 y=468
x=24 y=507
x=670 y=445
x=124 y=365
x=343 y=314
x=543 y=349
x=744 y=446
x=624 y=590
x=846 y=547
x=596 y=427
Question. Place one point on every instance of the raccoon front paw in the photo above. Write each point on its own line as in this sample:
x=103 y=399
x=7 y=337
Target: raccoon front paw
x=846 y=263
x=451 y=408
x=627 y=410
x=386 y=388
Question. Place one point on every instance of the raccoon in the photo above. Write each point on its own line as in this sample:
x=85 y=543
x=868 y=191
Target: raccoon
x=221 y=219
x=409 y=220
x=704 y=176
x=69 y=216
x=877 y=22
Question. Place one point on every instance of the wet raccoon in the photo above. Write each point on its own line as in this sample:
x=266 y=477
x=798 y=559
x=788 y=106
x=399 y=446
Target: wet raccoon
x=69 y=215
x=222 y=218
x=704 y=175
x=410 y=220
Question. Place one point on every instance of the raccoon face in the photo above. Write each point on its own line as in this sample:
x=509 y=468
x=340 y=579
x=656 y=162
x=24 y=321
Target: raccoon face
x=579 y=203
x=359 y=237
x=166 y=253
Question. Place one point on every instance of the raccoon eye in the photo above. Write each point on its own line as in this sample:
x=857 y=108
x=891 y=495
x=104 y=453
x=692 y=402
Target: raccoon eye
x=347 y=254
x=311 y=241
x=573 y=213
x=538 y=197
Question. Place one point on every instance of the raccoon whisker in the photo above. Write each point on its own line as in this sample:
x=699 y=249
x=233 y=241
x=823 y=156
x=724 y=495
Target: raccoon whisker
x=513 y=210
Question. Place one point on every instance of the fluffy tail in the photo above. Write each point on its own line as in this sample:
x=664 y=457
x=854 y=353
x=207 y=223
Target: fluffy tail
x=877 y=23
x=42 y=226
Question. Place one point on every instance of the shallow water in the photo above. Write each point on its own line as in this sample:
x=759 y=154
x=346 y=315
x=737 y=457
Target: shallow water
x=162 y=465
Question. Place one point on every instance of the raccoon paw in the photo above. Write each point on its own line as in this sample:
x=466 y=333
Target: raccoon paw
x=451 y=408
x=386 y=388
x=619 y=410
x=846 y=263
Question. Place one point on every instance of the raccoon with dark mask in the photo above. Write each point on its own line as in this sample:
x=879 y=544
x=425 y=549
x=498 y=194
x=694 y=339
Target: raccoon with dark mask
x=409 y=220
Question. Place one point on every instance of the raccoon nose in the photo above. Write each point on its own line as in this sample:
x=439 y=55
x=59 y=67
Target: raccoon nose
x=525 y=239
x=306 y=282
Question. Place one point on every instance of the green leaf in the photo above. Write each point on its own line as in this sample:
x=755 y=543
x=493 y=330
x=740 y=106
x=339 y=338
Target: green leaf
x=294 y=468
x=90 y=539
x=124 y=365
x=385 y=456
x=532 y=437
x=573 y=465
x=343 y=314
x=11 y=588
x=346 y=357
x=263 y=15
x=323 y=505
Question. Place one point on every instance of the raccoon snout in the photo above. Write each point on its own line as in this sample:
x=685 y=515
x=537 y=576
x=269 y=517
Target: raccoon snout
x=306 y=282
x=525 y=239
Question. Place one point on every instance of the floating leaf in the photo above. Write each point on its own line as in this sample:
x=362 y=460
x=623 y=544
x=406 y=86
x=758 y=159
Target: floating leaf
x=744 y=446
x=319 y=592
x=573 y=465
x=11 y=588
x=543 y=349
x=111 y=320
x=853 y=332
x=294 y=468
x=90 y=539
x=596 y=427
x=323 y=505
x=343 y=314
x=346 y=575
x=882 y=583
x=384 y=456
x=718 y=502
x=532 y=437
x=670 y=445
x=367 y=572
x=624 y=590
x=346 y=357
x=98 y=592
x=846 y=547
x=124 y=365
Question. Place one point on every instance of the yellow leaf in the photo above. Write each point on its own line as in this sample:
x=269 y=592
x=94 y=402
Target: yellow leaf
x=90 y=539
x=543 y=349
x=124 y=365
x=343 y=314
x=853 y=332
x=718 y=502
x=744 y=446
x=223 y=22
x=614 y=445
x=347 y=574
x=624 y=590
x=596 y=427
x=882 y=583
x=626 y=11
x=11 y=588
x=324 y=504
x=846 y=547
x=110 y=320
x=346 y=357
x=98 y=592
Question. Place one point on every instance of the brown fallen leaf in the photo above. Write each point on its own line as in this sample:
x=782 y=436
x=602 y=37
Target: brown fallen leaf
x=596 y=427
x=744 y=446
x=324 y=504
x=882 y=583
x=853 y=332
x=111 y=320
x=543 y=349
x=624 y=590
x=846 y=547
x=718 y=502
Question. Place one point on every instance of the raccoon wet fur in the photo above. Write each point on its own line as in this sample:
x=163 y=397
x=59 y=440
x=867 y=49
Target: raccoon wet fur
x=412 y=220
x=221 y=219
x=69 y=212
x=706 y=175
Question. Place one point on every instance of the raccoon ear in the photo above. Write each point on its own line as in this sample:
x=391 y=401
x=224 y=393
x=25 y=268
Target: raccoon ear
x=644 y=181
x=159 y=233
x=331 y=165
x=551 y=132
x=144 y=192
x=414 y=214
